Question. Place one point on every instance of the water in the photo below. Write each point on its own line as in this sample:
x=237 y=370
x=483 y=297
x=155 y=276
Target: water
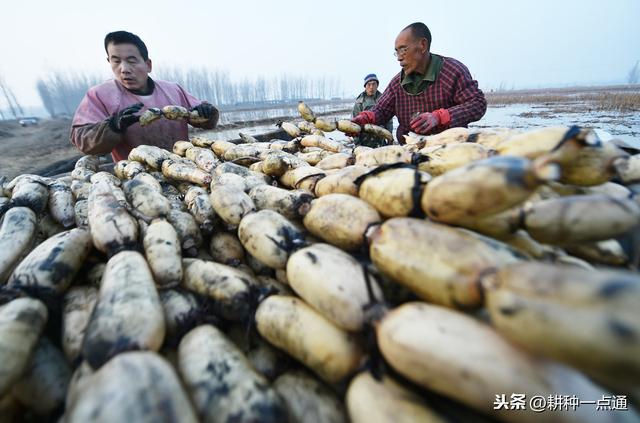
x=612 y=124
x=279 y=112
x=232 y=133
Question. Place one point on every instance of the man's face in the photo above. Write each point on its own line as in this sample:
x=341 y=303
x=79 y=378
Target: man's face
x=371 y=87
x=411 y=52
x=128 y=66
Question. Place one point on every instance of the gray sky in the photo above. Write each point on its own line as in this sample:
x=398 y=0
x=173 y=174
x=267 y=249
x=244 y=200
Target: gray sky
x=509 y=44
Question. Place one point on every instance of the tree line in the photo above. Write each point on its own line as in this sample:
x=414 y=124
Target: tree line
x=61 y=92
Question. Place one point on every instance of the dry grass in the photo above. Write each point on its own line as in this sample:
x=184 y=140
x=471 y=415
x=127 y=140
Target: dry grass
x=620 y=102
x=622 y=98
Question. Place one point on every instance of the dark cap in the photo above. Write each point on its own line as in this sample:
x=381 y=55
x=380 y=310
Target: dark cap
x=371 y=77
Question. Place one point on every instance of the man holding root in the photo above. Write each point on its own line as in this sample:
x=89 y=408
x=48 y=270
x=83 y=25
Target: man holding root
x=430 y=94
x=106 y=119
x=365 y=101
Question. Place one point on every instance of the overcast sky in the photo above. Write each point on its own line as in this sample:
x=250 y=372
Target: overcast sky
x=509 y=44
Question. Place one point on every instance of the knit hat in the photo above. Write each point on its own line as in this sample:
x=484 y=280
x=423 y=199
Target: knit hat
x=371 y=77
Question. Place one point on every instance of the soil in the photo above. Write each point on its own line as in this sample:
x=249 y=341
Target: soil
x=32 y=149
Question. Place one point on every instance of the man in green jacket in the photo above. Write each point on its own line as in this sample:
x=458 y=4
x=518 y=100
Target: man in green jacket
x=365 y=101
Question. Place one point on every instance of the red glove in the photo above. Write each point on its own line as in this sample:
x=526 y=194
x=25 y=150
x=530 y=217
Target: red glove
x=364 y=117
x=425 y=123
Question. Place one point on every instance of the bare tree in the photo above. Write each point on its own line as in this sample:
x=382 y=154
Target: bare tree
x=223 y=87
x=244 y=91
x=634 y=74
x=8 y=97
x=15 y=102
x=61 y=92
x=45 y=96
x=261 y=89
x=285 y=88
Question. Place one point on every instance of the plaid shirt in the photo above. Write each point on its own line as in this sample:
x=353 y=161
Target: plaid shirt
x=453 y=89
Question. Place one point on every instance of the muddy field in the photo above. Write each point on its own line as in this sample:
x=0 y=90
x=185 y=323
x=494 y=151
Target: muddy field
x=30 y=149
x=46 y=147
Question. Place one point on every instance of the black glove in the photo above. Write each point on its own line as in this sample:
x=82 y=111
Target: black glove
x=205 y=110
x=120 y=121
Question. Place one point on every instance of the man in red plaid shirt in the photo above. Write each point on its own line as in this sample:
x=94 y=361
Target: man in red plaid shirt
x=430 y=94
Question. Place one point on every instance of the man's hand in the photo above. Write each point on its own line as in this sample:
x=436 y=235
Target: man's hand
x=205 y=110
x=425 y=123
x=364 y=117
x=126 y=117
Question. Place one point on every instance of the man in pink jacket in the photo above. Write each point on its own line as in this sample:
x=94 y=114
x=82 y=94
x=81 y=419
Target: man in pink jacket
x=107 y=121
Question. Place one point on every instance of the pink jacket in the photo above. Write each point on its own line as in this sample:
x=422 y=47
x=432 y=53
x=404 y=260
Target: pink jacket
x=90 y=131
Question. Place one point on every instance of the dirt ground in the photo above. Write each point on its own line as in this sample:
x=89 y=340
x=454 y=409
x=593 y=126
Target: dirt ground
x=33 y=148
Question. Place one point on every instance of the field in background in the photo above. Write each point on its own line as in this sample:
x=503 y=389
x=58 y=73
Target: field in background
x=623 y=98
x=615 y=110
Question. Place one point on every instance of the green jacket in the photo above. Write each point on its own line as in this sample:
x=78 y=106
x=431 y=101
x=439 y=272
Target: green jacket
x=365 y=102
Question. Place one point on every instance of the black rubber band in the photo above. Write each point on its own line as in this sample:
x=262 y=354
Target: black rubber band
x=521 y=221
x=417 y=158
x=473 y=137
x=367 y=281
x=416 y=196
x=299 y=181
x=382 y=168
x=569 y=135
